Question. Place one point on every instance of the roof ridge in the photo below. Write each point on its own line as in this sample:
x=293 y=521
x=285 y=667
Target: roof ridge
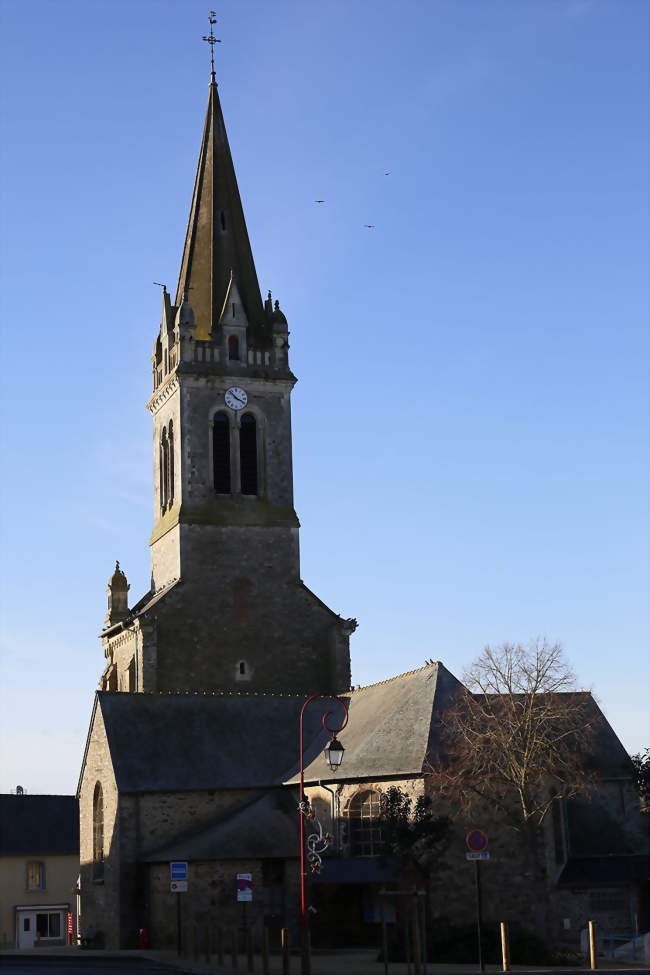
x=389 y=680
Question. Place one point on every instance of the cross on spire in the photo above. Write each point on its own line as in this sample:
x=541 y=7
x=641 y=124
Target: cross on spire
x=212 y=40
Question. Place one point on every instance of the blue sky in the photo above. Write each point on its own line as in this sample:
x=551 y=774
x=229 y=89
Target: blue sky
x=471 y=419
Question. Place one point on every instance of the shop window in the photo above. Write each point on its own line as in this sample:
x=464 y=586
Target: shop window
x=48 y=925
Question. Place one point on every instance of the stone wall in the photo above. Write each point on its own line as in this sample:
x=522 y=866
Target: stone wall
x=100 y=898
x=240 y=623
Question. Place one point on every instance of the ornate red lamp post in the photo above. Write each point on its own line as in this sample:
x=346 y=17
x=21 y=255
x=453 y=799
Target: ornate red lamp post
x=317 y=842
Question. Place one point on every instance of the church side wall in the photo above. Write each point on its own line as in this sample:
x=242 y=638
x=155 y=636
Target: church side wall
x=100 y=899
x=149 y=821
x=210 y=901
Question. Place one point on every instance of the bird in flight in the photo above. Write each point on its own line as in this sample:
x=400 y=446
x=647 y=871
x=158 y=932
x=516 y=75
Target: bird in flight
x=388 y=173
x=319 y=201
x=370 y=226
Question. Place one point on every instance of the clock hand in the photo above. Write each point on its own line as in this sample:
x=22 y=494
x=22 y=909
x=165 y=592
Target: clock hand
x=237 y=398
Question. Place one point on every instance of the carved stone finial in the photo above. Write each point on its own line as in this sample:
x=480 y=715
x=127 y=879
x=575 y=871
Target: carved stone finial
x=118 y=597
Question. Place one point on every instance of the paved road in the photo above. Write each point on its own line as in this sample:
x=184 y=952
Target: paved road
x=89 y=965
x=83 y=966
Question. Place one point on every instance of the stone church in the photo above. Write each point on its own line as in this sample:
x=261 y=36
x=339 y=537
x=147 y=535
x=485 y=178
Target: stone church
x=192 y=750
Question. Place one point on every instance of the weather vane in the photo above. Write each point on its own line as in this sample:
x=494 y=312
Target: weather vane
x=212 y=40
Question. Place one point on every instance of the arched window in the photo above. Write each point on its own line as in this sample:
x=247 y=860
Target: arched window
x=170 y=466
x=221 y=453
x=98 y=833
x=365 y=828
x=164 y=469
x=248 y=454
x=233 y=345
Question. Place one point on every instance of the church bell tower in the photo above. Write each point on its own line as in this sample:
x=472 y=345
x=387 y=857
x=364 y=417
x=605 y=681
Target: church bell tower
x=227 y=608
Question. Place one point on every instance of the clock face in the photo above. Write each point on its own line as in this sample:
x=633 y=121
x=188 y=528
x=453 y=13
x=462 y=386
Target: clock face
x=236 y=398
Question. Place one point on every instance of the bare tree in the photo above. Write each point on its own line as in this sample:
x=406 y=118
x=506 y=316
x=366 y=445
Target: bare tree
x=518 y=738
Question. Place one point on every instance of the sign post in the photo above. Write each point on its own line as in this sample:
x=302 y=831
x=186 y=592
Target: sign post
x=477 y=842
x=178 y=886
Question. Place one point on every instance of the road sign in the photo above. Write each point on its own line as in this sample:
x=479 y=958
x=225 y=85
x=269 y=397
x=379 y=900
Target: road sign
x=178 y=886
x=480 y=855
x=476 y=840
x=178 y=870
x=244 y=886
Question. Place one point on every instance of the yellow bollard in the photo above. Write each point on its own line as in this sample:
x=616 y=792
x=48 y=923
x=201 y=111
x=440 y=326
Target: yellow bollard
x=505 y=946
x=592 y=946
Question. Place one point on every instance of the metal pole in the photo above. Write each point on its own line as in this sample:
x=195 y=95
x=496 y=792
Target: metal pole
x=286 y=963
x=417 y=957
x=593 y=961
x=384 y=938
x=477 y=866
x=423 y=932
x=234 y=946
x=178 y=924
x=407 y=939
x=505 y=946
x=304 y=922
x=266 y=964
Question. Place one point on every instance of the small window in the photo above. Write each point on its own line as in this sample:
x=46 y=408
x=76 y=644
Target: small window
x=233 y=345
x=248 y=454
x=223 y=219
x=221 y=453
x=35 y=875
x=26 y=921
x=242 y=668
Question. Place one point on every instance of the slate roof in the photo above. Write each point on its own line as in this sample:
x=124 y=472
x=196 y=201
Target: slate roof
x=391 y=727
x=216 y=241
x=267 y=827
x=234 y=741
x=185 y=742
x=605 y=870
x=361 y=870
x=39 y=825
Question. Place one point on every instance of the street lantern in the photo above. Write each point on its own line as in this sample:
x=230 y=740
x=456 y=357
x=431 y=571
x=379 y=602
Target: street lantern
x=334 y=753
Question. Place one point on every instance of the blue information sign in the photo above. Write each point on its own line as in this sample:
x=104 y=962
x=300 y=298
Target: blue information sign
x=178 y=869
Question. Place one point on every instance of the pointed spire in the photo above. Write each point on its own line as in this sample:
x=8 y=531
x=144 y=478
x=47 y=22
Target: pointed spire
x=216 y=242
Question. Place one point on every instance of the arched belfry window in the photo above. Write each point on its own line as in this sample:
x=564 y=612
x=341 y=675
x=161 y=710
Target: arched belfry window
x=233 y=346
x=364 y=821
x=248 y=454
x=221 y=453
x=98 y=832
x=170 y=465
x=164 y=469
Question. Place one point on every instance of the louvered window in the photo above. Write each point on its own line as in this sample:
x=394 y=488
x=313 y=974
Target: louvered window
x=221 y=453
x=233 y=345
x=248 y=454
